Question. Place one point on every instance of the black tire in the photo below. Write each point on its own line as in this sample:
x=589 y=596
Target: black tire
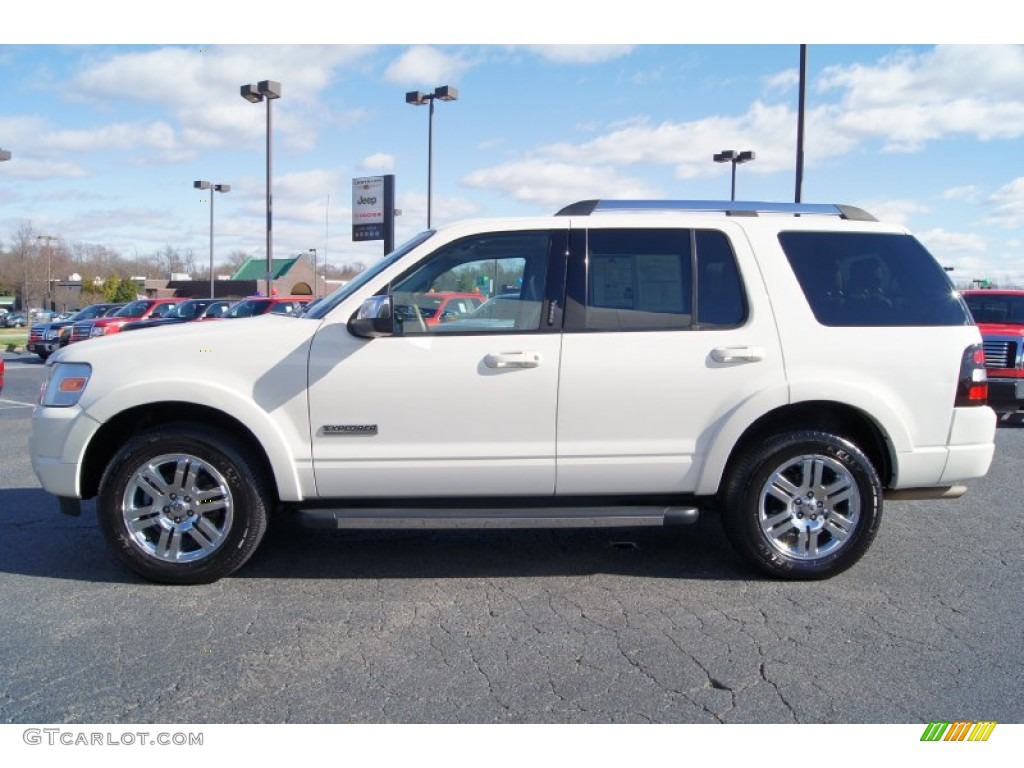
x=183 y=504
x=802 y=505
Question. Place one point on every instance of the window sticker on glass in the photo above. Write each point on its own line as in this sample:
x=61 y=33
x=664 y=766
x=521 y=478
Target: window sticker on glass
x=612 y=281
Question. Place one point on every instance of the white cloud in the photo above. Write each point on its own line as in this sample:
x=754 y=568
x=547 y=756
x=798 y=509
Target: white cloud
x=969 y=193
x=580 y=54
x=955 y=247
x=910 y=99
x=549 y=183
x=782 y=81
x=27 y=168
x=768 y=130
x=1008 y=202
x=894 y=211
x=423 y=66
x=121 y=136
x=201 y=87
x=378 y=162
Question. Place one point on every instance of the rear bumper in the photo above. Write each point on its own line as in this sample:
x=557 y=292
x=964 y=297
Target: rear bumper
x=1006 y=394
x=971 y=445
x=967 y=454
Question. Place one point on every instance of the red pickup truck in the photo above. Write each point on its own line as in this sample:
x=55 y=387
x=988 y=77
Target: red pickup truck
x=1000 y=318
x=143 y=309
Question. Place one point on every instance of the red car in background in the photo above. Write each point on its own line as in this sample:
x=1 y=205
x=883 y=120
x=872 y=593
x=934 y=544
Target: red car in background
x=143 y=309
x=1 y=375
x=437 y=306
x=1000 y=318
x=261 y=305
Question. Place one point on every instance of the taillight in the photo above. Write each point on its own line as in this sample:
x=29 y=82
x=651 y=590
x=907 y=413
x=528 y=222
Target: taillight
x=972 y=386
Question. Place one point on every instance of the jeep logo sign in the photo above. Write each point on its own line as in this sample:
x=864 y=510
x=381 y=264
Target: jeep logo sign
x=369 y=211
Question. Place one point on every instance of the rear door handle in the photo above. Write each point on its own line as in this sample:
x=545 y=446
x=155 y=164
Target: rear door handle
x=512 y=360
x=737 y=354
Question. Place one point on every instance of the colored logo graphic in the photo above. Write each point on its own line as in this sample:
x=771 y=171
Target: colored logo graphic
x=960 y=730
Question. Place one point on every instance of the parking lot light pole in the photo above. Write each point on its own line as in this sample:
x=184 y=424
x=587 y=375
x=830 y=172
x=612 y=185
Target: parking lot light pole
x=213 y=188
x=266 y=90
x=418 y=99
x=736 y=158
x=313 y=251
x=46 y=248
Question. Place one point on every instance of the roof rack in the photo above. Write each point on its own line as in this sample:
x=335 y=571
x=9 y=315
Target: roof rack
x=728 y=207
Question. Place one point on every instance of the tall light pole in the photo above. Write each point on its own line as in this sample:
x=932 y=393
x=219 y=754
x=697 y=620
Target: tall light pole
x=49 y=239
x=266 y=90
x=418 y=99
x=313 y=251
x=798 y=194
x=736 y=158
x=213 y=188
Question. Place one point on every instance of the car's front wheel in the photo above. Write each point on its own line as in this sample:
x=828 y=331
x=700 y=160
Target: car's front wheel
x=183 y=504
x=802 y=505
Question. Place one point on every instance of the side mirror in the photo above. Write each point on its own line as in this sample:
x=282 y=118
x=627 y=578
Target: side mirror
x=376 y=317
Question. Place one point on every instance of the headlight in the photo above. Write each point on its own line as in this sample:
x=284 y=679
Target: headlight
x=64 y=385
x=50 y=335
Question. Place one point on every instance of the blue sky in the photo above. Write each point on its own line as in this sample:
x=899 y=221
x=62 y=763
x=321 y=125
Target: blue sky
x=108 y=138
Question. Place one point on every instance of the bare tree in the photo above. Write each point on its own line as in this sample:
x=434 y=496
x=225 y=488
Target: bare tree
x=233 y=263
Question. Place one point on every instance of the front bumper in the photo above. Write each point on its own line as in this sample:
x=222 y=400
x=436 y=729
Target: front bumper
x=57 y=447
x=46 y=347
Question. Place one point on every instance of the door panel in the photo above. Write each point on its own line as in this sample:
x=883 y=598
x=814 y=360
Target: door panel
x=649 y=369
x=458 y=408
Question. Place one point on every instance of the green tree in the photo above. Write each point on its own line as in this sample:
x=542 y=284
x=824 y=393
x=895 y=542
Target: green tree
x=127 y=290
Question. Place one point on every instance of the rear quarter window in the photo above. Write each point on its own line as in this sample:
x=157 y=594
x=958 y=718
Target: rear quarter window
x=872 y=279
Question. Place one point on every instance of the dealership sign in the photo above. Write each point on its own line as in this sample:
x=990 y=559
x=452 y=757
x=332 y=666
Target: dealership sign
x=371 y=212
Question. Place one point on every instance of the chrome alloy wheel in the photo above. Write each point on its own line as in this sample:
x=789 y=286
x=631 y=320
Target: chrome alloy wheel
x=177 y=508
x=809 y=507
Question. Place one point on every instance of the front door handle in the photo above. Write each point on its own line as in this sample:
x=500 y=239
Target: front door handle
x=737 y=354
x=512 y=360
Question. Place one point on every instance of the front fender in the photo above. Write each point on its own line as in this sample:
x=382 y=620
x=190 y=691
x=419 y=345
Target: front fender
x=280 y=436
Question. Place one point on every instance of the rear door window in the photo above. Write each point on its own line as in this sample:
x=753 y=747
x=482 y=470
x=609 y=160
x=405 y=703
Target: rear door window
x=636 y=279
x=872 y=279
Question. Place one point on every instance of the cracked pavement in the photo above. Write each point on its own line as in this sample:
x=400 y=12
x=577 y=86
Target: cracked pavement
x=590 y=626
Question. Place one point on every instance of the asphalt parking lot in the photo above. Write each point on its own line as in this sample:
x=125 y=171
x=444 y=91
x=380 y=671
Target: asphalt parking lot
x=635 y=625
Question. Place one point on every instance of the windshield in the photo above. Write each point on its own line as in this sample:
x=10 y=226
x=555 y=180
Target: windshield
x=186 y=310
x=89 y=313
x=332 y=300
x=996 y=308
x=135 y=309
x=249 y=308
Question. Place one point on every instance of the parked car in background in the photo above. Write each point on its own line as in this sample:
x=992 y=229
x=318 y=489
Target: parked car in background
x=437 y=307
x=14 y=320
x=1000 y=318
x=187 y=311
x=507 y=310
x=261 y=305
x=45 y=338
x=142 y=309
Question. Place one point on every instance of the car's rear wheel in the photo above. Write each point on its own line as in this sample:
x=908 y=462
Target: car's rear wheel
x=183 y=504
x=802 y=505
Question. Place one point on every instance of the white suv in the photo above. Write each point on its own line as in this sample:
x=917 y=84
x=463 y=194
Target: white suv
x=784 y=365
